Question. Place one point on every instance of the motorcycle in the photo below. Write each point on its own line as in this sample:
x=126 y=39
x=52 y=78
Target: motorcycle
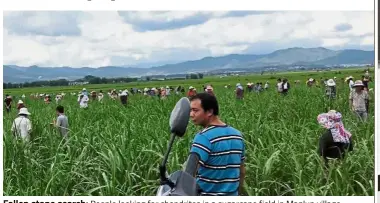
x=179 y=183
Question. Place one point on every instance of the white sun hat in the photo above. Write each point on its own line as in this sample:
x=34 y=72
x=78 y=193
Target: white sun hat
x=24 y=111
x=331 y=83
x=20 y=102
x=358 y=83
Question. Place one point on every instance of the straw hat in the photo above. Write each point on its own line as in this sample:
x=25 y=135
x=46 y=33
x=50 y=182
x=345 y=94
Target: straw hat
x=311 y=79
x=330 y=83
x=20 y=102
x=191 y=87
x=358 y=83
x=24 y=111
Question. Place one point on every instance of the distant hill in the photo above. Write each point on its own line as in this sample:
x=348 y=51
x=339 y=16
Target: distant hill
x=285 y=57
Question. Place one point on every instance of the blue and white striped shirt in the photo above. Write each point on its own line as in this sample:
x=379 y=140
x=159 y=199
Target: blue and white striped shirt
x=221 y=152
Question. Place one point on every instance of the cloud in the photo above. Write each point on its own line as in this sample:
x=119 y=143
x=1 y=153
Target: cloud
x=163 y=20
x=100 y=38
x=49 y=23
x=343 y=27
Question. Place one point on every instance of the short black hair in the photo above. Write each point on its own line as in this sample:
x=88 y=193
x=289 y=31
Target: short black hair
x=208 y=102
x=60 y=109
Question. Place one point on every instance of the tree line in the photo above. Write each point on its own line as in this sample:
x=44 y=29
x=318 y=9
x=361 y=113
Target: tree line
x=90 y=79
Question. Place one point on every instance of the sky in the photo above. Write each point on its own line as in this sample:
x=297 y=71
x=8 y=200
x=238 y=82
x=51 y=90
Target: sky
x=148 y=38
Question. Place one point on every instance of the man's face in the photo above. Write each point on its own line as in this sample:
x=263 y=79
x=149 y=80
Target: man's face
x=197 y=114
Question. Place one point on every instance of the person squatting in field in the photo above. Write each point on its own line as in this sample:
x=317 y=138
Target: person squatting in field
x=62 y=122
x=217 y=153
x=22 y=126
x=336 y=140
x=359 y=100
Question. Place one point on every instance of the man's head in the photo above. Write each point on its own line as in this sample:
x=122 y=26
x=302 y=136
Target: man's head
x=204 y=107
x=358 y=85
x=60 y=109
x=279 y=80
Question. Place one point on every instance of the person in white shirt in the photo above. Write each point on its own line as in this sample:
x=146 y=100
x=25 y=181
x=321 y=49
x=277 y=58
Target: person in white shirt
x=285 y=86
x=83 y=101
x=167 y=91
x=279 y=85
x=22 y=126
x=350 y=82
x=266 y=86
x=100 y=95
x=58 y=98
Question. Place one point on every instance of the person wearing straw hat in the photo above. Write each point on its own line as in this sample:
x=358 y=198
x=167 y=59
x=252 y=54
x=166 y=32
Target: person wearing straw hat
x=336 y=140
x=359 y=100
x=22 y=126
x=330 y=89
x=191 y=92
x=62 y=122
x=93 y=95
x=20 y=104
x=249 y=86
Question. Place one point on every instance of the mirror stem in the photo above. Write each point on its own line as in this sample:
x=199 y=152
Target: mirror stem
x=164 y=179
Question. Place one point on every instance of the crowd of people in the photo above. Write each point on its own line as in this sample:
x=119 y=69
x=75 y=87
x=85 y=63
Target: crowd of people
x=332 y=144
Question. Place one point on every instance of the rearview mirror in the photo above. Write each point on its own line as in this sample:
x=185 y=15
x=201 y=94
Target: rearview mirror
x=179 y=117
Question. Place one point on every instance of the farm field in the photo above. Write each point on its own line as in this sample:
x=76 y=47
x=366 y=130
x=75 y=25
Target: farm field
x=115 y=150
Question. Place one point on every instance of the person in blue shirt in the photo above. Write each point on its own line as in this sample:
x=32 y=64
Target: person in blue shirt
x=217 y=153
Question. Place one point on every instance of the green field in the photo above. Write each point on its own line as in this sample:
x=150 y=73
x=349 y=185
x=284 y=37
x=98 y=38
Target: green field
x=115 y=150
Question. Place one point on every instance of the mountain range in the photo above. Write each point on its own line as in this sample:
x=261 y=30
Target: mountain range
x=296 y=56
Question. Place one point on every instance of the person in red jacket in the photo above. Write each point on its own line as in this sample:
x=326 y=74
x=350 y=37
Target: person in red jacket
x=191 y=91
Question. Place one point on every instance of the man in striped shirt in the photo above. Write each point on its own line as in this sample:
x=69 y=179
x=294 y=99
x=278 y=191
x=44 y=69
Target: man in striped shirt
x=217 y=153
